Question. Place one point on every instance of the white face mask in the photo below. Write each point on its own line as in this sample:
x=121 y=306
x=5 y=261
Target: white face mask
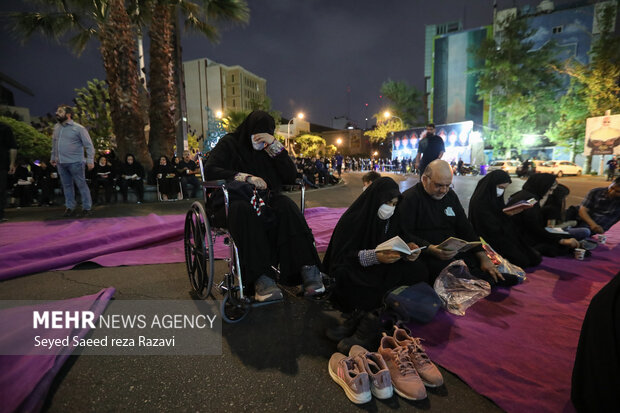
x=385 y=211
x=500 y=191
x=258 y=146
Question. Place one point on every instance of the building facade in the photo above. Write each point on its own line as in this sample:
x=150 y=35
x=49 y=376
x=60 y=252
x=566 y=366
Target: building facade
x=219 y=88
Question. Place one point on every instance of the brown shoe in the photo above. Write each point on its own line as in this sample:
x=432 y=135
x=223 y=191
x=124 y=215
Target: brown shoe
x=405 y=378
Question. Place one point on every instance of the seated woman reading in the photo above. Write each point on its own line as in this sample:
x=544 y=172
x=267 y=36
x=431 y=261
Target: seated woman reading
x=251 y=154
x=494 y=225
x=364 y=275
x=531 y=223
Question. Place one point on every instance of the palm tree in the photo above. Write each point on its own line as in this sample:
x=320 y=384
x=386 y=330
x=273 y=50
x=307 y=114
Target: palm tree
x=106 y=20
x=165 y=65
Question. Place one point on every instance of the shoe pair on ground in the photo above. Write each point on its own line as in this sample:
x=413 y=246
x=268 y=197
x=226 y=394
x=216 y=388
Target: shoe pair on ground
x=71 y=212
x=265 y=288
x=361 y=375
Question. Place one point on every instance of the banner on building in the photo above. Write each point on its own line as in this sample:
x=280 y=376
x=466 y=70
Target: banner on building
x=602 y=136
x=455 y=136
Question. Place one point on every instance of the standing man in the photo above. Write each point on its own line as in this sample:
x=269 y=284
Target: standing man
x=430 y=148
x=8 y=153
x=68 y=143
x=612 y=165
x=339 y=159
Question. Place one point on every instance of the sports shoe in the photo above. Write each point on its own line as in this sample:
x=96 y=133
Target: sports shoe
x=68 y=212
x=312 y=280
x=428 y=372
x=350 y=375
x=378 y=373
x=405 y=378
x=265 y=289
x=86 y=213
x=347 y=328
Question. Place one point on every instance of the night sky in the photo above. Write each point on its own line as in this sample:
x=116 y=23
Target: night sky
x=310 y=52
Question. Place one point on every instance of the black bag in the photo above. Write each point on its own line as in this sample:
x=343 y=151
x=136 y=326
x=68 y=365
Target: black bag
x=242 y=191
x=419 y=302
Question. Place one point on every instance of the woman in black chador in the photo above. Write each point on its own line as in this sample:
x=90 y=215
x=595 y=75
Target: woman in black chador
x=102 y=176
x=531 y=223
x=165 y=175
x=362 y=275
x=494 y=225
x=132 y=175
x=252 y=155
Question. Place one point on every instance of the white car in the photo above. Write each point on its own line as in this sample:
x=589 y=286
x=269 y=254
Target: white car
x=560 y=168
x=506 y=166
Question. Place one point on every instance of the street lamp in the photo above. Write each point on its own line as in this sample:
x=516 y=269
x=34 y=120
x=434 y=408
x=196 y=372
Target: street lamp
x=300 y=115
x=339 y=141
x=388 y=115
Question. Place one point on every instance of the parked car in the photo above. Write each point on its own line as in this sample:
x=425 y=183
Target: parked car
x=560 y=168
x=506 y=166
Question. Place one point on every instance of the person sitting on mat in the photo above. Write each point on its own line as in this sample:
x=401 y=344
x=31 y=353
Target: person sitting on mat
x=531 y=223
x=600 y=209
x=253 y=155
x=494 y=225
x=364 y=275
x=430 y=213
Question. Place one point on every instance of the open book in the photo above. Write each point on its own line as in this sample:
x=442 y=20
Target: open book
x=457 y=244
x=396 y=244
x=525 y=204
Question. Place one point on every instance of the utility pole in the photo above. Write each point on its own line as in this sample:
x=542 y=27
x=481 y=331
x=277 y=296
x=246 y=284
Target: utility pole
x=181 y=113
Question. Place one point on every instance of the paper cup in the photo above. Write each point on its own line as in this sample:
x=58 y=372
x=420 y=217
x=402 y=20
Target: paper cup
x=602 y=239
x=580 y=253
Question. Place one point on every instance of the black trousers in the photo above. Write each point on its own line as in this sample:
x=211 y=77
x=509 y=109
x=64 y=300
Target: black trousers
x=288 y=242
x=169 y=187
x=3 y=182
x=136 y=184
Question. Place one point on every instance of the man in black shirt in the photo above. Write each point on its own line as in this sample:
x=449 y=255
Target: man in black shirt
x=187 y=170
x=8 y=153
x=431 y=147
x=430 y=212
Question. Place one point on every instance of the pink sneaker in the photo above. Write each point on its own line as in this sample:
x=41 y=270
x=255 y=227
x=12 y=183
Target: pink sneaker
x=405 y=378
x=429 y=373
x=374 y=365
x=350 y=375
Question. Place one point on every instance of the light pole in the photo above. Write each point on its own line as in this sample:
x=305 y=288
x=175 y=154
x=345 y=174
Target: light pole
x=300 y=115
x=388 y=115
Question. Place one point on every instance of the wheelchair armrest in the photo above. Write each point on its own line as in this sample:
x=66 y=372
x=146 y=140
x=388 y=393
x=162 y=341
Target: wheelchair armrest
x=214 y=184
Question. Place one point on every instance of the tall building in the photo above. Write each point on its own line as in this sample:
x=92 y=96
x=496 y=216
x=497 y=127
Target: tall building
x=431 y=31
x=453 y=93
x=218 y=87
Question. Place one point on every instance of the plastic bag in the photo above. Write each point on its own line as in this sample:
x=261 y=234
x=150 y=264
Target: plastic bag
x=458 y=289
x=503 y=265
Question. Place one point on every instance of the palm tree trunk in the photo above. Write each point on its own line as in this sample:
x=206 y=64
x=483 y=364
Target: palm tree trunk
x=118 y=51
x=161 y=83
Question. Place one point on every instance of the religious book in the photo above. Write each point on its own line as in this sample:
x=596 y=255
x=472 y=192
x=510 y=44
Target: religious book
x=397 y=244
x=457 y=244
x=525 y=204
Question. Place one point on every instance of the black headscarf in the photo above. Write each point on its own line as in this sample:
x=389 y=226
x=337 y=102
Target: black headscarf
x=539 y=184
x=134 y=169
x=359 y=227
x=485 y=200
x=234 y=153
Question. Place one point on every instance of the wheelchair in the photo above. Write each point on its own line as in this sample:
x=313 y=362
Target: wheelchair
x=200 y=236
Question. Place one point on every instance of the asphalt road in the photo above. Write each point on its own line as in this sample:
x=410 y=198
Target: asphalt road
x=274 y=360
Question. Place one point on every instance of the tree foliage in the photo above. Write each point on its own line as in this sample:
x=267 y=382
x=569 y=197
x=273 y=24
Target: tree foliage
x=519 y=82
x=31 y=143
x=406 y=101
x=92 y=110
x=309 y=145
x=384 y=128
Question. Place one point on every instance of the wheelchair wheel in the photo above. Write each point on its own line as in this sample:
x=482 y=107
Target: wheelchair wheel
x=198 y=245
x=232 y=308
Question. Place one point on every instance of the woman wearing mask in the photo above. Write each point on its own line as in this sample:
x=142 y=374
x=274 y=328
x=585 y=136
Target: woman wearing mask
x=253 y=155
x=167 y=180
x=531 y=223
x=494 y=225
x=364 y=275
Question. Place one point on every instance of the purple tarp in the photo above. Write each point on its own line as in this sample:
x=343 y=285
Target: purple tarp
x=517 y=347
x=29 y=247
x=25 y=380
